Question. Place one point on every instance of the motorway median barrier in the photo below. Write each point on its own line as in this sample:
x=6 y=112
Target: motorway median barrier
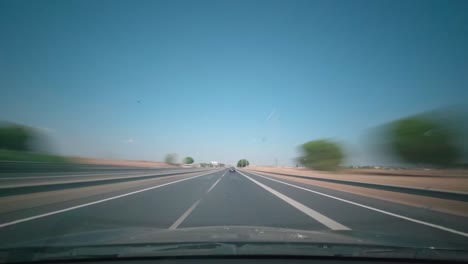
x=50 y=167
x=51 y=186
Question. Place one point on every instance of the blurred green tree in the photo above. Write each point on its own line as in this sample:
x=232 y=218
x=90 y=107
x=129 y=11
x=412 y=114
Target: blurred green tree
x=15 y=137
x=321 y=154
x=188 y=160
x=171 y=158
x=243 y=163
x=423 y=141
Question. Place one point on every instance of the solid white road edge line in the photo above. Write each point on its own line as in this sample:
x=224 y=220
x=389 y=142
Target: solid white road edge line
x=372 y=208
x=306 y=210
x=96 y=202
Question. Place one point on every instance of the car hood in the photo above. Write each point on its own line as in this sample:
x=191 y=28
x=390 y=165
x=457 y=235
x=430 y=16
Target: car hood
x=217 y=240
x=139 y=235
x=142 y=235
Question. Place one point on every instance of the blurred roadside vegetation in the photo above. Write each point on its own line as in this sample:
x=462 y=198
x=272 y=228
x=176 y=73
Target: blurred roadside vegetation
x=25 y=156
x=435 y=139
x=188 y=160
x=321 y=154
x=243 y=163
x=16 y=137
x=22 y=143
x=171 y=158
x=424 y=141
x=206 y=165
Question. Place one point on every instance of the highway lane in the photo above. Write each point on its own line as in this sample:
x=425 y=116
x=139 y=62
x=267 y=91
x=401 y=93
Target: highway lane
x=145 y=206
x=321 y=201
x=373 y=216
x=236 y=201
x=24 y=205
x=221 y=198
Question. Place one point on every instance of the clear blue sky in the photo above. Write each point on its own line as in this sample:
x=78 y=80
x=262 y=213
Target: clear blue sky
x=221 y=80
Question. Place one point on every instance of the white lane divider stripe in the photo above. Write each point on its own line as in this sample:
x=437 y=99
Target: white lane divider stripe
x=216 y=182
x=372 y=208
x=189 y=211
x=182 y=217
x=96 y=202
x=306 y=210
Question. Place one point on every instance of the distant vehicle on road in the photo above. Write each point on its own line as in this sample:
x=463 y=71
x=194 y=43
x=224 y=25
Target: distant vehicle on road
x=232 y=169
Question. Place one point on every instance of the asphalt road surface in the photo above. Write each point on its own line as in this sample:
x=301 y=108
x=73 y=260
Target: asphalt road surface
x=218 y=197
x=11 y=181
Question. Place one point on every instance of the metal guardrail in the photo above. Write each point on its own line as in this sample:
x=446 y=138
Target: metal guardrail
x=437 y=193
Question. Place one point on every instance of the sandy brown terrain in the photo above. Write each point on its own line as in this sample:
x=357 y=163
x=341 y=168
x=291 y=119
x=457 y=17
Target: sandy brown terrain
x=421 y=172
x=132 y=163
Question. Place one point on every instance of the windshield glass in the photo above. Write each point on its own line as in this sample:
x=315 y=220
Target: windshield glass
x=137 y=128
